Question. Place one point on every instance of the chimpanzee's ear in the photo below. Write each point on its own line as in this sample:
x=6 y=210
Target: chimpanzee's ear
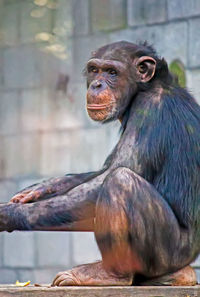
x=145 y=68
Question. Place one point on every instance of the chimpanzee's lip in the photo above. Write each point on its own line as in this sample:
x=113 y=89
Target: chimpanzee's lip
x=97 y=106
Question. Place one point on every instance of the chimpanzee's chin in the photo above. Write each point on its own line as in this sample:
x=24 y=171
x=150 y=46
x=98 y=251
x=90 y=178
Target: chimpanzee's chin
x=97 y=116
x=102 y=117
x=109 y=119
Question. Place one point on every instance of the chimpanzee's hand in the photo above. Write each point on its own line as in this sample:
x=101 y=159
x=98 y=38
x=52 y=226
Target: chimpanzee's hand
x=39 y=191
x=24 y=194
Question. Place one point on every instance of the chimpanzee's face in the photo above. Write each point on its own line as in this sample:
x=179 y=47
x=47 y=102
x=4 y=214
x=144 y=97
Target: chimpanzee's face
x=109 y=88
x=112 y=83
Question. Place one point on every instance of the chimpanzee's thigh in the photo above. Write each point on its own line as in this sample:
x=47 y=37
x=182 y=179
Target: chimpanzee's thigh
x=136 y=230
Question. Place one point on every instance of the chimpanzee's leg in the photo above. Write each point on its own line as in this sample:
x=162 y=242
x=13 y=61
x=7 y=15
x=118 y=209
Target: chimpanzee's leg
x=136 y=231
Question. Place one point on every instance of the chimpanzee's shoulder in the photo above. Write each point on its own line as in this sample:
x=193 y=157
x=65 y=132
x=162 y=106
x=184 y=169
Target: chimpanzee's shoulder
x=180 y=107
x=176 y=128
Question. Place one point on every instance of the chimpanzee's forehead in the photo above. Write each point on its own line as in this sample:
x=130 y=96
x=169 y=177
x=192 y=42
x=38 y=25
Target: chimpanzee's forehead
x=116 y=54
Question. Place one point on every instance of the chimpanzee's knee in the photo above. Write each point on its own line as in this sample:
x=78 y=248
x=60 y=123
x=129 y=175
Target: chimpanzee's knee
x=121 y=174
x=118 y=185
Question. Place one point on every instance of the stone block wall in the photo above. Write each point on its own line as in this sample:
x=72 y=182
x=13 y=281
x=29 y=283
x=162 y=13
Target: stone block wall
x=44 y=129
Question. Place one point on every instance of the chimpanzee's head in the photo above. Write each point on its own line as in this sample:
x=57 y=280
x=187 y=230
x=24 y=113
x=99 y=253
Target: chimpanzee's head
x=115 y=74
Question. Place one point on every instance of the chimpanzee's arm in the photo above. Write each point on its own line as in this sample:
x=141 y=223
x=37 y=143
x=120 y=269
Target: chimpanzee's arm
x=53 y=187
x=64 y=212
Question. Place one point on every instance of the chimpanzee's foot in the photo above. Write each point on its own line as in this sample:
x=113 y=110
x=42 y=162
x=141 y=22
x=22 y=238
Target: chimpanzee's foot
x=90 y=275
x=183 y=277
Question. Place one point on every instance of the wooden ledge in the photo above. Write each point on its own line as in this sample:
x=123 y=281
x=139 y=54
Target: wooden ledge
x=31 y=291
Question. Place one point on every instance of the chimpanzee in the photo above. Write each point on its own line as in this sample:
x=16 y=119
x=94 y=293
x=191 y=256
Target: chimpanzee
x=144 y=204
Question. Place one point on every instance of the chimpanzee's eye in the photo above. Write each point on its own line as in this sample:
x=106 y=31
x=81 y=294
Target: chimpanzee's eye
x=93 y=69
x=112 y=71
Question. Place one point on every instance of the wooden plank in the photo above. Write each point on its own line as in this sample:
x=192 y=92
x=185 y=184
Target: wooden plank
x=31 y=291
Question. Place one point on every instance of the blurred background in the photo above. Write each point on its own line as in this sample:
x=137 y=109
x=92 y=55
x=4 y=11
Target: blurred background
x=44 y=128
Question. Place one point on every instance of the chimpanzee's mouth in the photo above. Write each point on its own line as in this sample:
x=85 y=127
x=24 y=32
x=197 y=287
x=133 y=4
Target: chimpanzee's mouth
x=97 y=106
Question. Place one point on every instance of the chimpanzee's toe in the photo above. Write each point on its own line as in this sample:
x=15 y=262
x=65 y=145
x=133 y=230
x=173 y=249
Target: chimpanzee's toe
x=65 y=278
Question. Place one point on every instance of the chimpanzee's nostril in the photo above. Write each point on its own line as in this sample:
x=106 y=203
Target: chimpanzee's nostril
x=99 y=85
x=96 y=84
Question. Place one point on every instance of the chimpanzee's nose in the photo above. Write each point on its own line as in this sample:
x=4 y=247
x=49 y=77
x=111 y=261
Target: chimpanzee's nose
x=97 y=84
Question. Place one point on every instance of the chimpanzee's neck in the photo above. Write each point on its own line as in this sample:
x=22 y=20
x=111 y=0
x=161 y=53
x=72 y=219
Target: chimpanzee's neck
x=141 y=103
